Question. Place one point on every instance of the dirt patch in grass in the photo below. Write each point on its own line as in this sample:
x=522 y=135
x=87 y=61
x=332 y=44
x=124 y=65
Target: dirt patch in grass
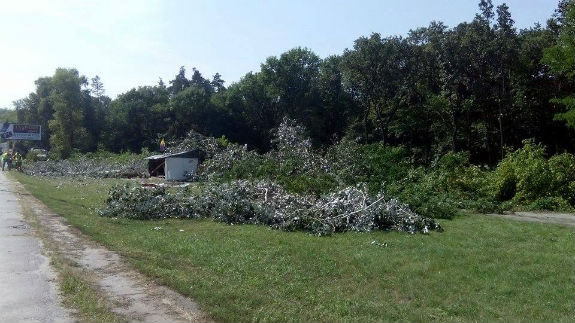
x=566 y=219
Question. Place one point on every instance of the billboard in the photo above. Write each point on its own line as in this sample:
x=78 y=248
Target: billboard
x=15 y=131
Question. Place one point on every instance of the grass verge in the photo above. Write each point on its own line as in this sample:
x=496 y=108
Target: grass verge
x=79 y=294
x=479 y=269
x=77 y=290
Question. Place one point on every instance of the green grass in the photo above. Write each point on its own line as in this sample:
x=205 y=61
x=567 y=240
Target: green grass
x=479 y=269
x=79 y=294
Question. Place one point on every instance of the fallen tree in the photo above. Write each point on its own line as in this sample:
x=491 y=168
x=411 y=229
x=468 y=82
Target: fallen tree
x=89 y=167
x=264 y=202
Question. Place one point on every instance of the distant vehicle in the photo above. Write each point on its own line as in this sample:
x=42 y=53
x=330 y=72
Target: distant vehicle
x=39 y=153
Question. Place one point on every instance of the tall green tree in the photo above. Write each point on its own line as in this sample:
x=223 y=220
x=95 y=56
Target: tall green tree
x=67 y=130
x=291 y=86
x=506 y=42
x=337 y=107
x=96 y=109
x=179 y=83
x=136 y=118
x=374 y=75
x=188 y=110
x=561 y=61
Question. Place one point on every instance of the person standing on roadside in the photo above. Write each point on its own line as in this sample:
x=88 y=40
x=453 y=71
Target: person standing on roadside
x=17 y=159
x=8 y=160
x=4 y=158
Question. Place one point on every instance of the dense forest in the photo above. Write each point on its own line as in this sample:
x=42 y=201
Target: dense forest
x=481 y=87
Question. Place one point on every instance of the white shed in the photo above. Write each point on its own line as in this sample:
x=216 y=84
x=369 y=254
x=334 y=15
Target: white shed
x=175 y=167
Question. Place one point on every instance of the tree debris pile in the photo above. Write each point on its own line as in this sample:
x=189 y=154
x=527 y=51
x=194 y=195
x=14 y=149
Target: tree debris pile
x=293 y=150
x=195 y=140
x=220 y=154
x=291 y=143
x=239 y=186
x=89 y=167
x=264 y=202
x=140 y=203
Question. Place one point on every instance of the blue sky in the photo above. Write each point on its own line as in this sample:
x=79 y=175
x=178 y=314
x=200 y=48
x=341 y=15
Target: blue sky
x=130 y=43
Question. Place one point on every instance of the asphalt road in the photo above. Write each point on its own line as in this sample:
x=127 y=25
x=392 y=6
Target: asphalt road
x=28 y=291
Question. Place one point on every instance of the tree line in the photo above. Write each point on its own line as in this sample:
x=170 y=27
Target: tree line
x=481 y=86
